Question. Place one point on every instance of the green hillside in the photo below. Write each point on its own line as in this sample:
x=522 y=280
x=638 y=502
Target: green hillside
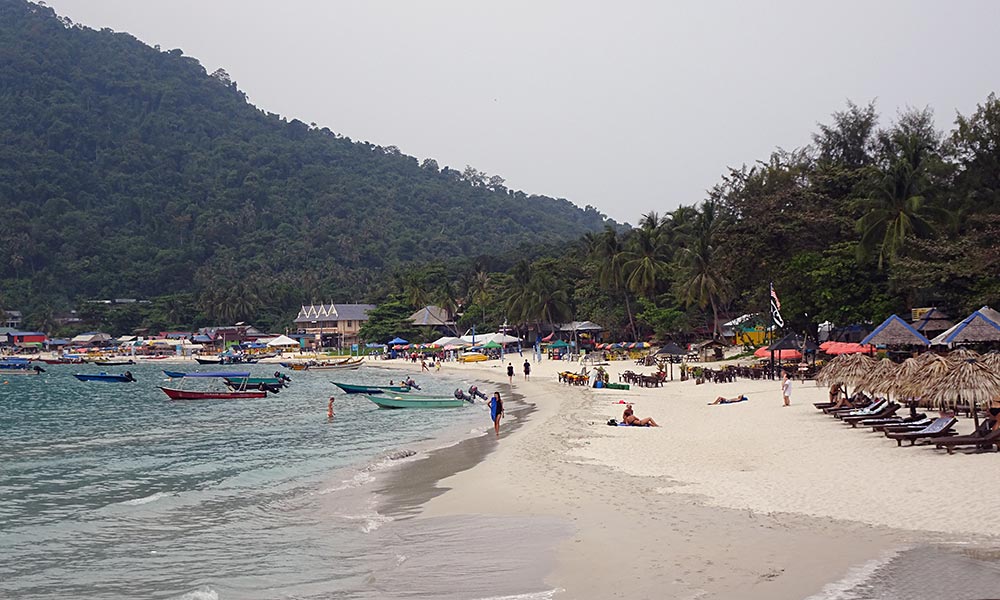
x=126 y=171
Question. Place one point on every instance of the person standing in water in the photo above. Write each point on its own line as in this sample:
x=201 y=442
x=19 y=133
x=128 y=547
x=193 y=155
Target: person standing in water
x=496 y=411
x=527 y=369
x=510 y=373
x=786 y=388
x=329 y=409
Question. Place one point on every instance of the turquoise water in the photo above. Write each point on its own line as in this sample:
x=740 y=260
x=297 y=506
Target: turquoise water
x=110 y=490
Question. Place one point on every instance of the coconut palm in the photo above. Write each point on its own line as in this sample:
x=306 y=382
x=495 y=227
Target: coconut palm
x=643 y=262
x=702 y=282
x=607 y=250
x=899 y=209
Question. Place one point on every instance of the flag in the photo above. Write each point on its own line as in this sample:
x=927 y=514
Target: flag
x=776 y=308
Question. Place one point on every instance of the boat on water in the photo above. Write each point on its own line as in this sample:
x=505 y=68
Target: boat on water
x=371 y=389
x=347 y=365
x=113 y=363
x=125 y=377
x=179 y=394
x=206 y=360
x=410 y=401
x=19 y=366
x=155 y=357
x=176 y=394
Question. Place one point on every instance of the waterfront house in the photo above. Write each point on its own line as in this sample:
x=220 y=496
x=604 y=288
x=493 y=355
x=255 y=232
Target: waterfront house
x=333 y=324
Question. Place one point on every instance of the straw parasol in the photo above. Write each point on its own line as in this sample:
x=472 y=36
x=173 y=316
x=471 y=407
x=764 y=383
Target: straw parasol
x=879 y=379
x=968 y=380
x=847 y=369
x=914 y=383
x=992 y=360
x=963 y=354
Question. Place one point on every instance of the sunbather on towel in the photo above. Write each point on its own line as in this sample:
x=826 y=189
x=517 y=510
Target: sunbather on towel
x=628 y=417
x=721 y=400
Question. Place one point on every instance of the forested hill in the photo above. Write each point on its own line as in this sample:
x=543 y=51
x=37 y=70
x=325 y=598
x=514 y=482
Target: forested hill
x=129 y=171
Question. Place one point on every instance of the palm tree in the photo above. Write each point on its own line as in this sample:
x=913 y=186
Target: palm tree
x=643 y=262
x=702 y=281
x=609 y=254
x=519 y=293
x=898 y=209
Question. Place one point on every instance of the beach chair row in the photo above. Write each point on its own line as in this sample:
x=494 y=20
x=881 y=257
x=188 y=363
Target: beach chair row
x=880 y=415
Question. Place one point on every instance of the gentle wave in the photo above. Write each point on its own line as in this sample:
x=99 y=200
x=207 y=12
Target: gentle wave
x=202 y=593
x=147 y=499
x=856 y=576
x=544 y=595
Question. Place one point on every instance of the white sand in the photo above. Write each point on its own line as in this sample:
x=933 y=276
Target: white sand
x=805 y=496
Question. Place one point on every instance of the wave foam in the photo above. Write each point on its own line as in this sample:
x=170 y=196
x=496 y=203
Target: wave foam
x=202 y=593
x=543 y=595
x=147 y=499
x=856 y=576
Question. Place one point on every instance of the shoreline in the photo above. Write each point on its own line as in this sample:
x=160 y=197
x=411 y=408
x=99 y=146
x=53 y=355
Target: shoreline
x=635 y=531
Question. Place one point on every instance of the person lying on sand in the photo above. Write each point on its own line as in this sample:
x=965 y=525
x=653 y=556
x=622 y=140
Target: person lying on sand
x=629 y=418
x=721 y=400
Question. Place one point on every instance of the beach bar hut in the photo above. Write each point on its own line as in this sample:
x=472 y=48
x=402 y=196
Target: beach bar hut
x=895 y=332
x=792 y=341
x=981 y=326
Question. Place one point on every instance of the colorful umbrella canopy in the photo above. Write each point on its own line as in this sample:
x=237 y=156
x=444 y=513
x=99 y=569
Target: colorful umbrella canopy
x=787 y=354
x=837 y=348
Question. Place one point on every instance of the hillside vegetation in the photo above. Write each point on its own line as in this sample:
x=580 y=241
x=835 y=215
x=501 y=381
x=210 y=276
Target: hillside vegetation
x=127 y=171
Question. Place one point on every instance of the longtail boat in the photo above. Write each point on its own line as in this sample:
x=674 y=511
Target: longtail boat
x=176 y=394
x=19 y=366
x=393 y=401
x=113 y=363
x=125 y=377
x=371 y=389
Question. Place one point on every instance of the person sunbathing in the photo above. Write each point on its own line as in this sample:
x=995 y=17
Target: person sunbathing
x=721 y=400
x=629 y=418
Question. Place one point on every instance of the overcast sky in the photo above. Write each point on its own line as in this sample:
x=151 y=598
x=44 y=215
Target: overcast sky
x=630 y=107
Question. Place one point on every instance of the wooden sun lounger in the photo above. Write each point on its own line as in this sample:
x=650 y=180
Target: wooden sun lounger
x=871 y=410
x=941 y=427
x=989 y=440
x=898 y=427
x=877 y=424
x=861 y=405
x=888 y=411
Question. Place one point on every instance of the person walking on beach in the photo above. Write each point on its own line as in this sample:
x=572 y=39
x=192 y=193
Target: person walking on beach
x=527 y=369
x=496 y=411
x=786 y=388
x=510 y=373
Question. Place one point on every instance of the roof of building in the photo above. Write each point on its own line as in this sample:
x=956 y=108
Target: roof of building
x=894 y=331
x=431 y=316
x=16 y=314
x=333 y=312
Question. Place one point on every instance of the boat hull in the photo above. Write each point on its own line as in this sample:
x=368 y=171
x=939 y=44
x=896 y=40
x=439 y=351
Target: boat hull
x=19 y=372
x=176 y=394
x=105 y=377
x=113 y=363
x=371 y=389
x=392 y=401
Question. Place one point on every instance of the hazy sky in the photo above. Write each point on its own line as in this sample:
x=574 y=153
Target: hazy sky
x=627 y=106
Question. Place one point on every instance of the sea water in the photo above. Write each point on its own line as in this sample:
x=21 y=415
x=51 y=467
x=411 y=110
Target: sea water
x=111 y=490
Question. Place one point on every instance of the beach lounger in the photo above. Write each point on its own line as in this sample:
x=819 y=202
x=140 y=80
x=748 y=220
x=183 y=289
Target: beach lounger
x=868 y=411
x=877 y=424
x=904 y=425
x=941 y=427
x=887 y=411
x=859 y=405
x=986 y=442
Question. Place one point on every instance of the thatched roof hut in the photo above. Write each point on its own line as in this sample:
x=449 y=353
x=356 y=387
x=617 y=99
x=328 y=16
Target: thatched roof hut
x=934 y=321
x=895 y=332
x=981 y=326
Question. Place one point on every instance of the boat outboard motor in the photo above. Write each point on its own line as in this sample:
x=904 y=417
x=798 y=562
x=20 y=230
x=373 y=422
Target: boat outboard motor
x=39 y=369
x=128 y=375
x=476 y=393
x=462 y=395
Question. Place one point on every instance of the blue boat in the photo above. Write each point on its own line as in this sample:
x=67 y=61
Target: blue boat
x=125 y=377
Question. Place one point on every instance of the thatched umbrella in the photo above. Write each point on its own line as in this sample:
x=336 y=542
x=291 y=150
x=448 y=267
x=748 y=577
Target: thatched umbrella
x=914 y=379
x=992 y=360
x=963 y=354
x=847 y=369
x=879 y=379
x=969 y=380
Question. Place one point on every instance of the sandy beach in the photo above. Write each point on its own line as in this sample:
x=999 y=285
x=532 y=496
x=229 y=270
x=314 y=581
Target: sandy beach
x=750 y=500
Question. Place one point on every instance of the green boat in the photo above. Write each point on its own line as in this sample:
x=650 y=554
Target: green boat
x=391 y=401
x=371 y=389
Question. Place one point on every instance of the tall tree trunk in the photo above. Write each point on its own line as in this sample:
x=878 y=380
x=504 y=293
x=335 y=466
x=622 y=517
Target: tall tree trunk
x=716 y=332
x=631 y=321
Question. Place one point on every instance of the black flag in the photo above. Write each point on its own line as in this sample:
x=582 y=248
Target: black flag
x=776 y=308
